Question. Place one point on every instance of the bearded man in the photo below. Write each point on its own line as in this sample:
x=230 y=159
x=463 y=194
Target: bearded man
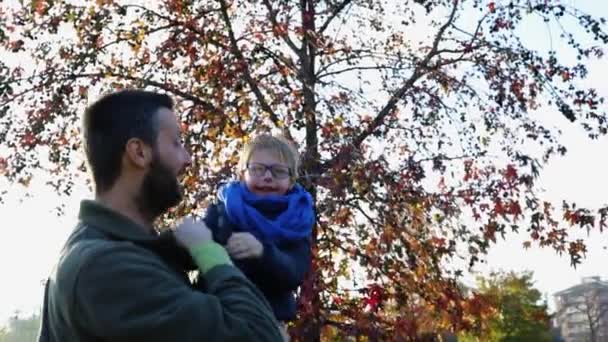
x=117 y=278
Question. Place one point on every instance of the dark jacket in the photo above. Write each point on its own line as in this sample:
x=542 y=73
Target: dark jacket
x=115 y=282
x=279 y=271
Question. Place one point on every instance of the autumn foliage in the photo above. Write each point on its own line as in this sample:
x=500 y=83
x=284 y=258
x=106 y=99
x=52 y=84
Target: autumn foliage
x=417 y=120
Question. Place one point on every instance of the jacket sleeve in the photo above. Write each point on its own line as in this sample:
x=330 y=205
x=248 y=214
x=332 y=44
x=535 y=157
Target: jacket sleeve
x=217 y=223
x=281 y=267
x=123 y=294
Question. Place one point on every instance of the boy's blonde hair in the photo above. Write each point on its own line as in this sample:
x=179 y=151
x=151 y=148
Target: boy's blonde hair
x=281 y=147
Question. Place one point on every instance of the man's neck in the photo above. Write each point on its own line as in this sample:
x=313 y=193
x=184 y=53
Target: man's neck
x=122 y=202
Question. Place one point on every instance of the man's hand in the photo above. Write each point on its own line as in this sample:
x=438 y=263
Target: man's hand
x=192 y=233
x=244 y=246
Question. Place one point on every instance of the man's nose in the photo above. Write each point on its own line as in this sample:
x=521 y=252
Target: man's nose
x=187 y=158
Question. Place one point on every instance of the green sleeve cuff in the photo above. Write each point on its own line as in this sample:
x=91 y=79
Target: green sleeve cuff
x=209 y=254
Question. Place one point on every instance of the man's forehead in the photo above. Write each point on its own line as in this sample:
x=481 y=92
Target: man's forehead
x=167 y=119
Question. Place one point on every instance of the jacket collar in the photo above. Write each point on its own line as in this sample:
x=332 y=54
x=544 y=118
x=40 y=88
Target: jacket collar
x=110 y=222
x=120 y=227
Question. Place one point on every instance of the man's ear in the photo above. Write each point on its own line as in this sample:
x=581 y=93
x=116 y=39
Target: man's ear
x=138 y=152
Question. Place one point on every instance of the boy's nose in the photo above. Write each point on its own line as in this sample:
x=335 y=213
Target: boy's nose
x=267 y=175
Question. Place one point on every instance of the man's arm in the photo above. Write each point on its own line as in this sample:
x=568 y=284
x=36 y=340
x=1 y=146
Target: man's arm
x=126 y=294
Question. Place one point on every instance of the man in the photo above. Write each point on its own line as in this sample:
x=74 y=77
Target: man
x=117 y=279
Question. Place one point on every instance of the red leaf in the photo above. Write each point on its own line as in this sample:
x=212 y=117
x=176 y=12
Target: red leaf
x=28 y=139
x=492 y=7
x=514 y=209
x=439 y=242
x=510 y=173
x=3 y=165
x=83 y=91
x=499 y=208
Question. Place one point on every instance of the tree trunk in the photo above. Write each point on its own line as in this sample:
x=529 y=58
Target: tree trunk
x=311 y=163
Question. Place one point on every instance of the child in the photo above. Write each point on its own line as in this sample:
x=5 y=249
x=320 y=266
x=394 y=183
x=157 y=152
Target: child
x=265 y=221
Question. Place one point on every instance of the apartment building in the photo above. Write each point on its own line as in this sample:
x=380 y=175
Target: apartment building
x=582 y=311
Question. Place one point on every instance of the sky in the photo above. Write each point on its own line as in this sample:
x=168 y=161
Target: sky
x=32 y=234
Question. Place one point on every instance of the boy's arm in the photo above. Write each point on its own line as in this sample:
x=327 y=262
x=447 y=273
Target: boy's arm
x=124 y=294
x=280 y=268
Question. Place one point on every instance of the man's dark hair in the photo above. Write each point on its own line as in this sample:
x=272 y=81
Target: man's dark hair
x=114 y=119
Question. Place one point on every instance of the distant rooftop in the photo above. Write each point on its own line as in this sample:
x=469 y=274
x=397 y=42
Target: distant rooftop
x=585 y=283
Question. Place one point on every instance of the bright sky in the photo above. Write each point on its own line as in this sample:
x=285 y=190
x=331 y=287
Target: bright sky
x=32 y=234
x=578 y=177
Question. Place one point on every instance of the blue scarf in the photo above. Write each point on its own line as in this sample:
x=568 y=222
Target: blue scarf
x=292 y=220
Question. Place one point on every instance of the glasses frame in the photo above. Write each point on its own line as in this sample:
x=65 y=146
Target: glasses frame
x=269 y=168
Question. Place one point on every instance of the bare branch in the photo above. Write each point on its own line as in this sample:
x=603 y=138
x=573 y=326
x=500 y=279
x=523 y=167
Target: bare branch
x=166 y=87
x=247 y=72
x=357 y=55
x=160 y=85
x=148 y=32
x=23 y=93
x=419 y=71
x=355 y=205
x=279 y=58
x=272 y=15
x=333 y=15
x=358 y=68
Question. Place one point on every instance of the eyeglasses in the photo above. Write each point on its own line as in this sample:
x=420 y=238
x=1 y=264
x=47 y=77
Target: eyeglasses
x=277 y=171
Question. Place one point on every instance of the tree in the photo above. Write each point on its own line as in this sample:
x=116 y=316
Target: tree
x=590 y=302
x=21 y=329
x=520 y=314
x=416 y=120
x=594 y=308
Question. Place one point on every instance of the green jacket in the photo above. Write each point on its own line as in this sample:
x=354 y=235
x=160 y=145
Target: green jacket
x=109 y=286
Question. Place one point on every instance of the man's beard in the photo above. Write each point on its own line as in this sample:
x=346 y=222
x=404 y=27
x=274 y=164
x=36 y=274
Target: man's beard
x=160 y=190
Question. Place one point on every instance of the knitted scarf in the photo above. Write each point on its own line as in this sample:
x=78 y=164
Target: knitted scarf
x=270 y=218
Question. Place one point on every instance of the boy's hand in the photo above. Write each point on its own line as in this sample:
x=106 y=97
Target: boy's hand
x=244 y=246
x=192 y=233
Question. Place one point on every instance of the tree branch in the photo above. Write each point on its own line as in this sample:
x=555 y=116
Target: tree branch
x=279 y=58
x=419 y=71
x=446 y=158
x=377 y=67
x=356 y=55
x=272 y=15
x=333 y=15
x=247 y=72
x=148 y=32
x=206 y=105
x=177 y=23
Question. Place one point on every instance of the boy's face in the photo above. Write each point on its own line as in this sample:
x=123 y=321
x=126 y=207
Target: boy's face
x=266 y=174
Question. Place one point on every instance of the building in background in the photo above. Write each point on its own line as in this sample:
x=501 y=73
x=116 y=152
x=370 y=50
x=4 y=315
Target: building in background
x=582 y=311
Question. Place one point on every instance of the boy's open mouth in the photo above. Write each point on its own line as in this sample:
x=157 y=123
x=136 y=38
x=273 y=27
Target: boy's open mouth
x=265 y=189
